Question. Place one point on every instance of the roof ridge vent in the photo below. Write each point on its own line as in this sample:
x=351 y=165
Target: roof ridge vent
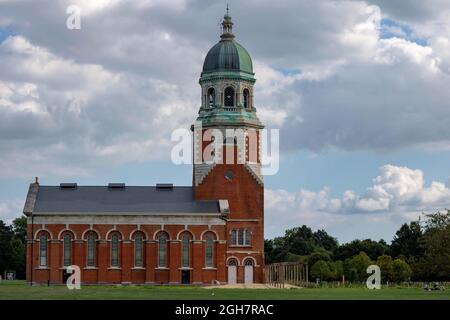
x=164 y=186
x=116 y=185
x=71 y=185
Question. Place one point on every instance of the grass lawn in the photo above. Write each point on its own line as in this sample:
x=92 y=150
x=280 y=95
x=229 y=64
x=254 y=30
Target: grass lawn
x=19 y=290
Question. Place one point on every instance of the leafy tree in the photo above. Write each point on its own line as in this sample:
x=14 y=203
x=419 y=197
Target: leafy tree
x=339 y=269
x=385 y=264
x=321 y=270
x=324 y=240
x=401 y=271
x=408 y=241
x=355 y=268
x=372 y=248
x=18 y=246
x=6 y=234
x=319 y=254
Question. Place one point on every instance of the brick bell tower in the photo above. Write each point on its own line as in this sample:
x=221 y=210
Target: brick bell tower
x=227 y=156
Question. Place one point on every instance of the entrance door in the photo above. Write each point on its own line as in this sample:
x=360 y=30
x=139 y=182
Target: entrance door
x=232 y=270
x=65 y=276
x=185 y=276
x=248 y=271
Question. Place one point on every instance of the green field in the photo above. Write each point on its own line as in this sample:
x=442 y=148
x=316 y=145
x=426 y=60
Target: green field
x=19 y=290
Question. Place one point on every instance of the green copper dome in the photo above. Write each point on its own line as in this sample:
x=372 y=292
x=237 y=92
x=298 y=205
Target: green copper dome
x=228 y=58
x=228 y=55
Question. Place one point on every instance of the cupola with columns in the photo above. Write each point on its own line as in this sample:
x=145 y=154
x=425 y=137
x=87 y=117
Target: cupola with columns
x=227 y=81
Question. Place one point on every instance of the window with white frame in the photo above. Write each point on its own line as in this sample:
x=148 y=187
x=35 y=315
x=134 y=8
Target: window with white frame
x=162 y=250
x=138 y=250
x=241 y=237
x=115 y=250
x=43 y=250
x=209 y=250
x=67 y=250
x=91 y=249
x=185 y=251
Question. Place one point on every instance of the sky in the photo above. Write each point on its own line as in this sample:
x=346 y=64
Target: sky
x=358 y=89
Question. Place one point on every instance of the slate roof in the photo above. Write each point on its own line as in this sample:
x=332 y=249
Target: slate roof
x=131 y=199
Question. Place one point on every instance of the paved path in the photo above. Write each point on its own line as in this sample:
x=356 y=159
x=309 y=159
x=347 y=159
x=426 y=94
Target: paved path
x=250 y=286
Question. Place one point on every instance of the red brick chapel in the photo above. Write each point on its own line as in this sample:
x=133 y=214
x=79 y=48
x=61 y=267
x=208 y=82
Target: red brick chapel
x=210 y=232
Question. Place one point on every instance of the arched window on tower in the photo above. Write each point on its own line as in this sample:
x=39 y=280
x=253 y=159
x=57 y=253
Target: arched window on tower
x=211 y=97
x=229 y=97
x=246 y=98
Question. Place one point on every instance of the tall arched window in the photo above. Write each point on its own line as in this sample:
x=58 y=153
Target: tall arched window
x=43 y=250
x=138 y=249
x=115 y=250
x=162 y=250
x=246 y=98
x=91 y=248
x=229 y=97
x=67 y=250
x=211 y=97
x=185 y=250
x=209 y=250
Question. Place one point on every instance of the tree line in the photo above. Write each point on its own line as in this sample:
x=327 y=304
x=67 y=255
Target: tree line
x=13 y=247
x=420 y=251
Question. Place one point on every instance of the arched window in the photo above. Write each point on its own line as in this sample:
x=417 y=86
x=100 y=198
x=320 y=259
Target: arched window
x=211 y=97
x=115 y=250
x=246 y=98
x=162 y=250
x=43 y=250
x=248 y=262
x=67 y=250
x=209 y=250
x=229 y=97
x=91 y=248
x=138 y=249
x=232 y=262
x=185 y=251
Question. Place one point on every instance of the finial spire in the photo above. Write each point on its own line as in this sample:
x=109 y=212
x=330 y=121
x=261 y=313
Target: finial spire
x=227 y=26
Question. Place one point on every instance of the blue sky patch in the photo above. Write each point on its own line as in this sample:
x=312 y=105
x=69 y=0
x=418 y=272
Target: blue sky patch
x=392 y=29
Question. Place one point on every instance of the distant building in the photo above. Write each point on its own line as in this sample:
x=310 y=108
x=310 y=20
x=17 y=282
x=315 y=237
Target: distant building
x=164 y=234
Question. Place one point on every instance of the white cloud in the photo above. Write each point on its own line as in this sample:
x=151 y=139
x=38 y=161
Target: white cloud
x=398 y=194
